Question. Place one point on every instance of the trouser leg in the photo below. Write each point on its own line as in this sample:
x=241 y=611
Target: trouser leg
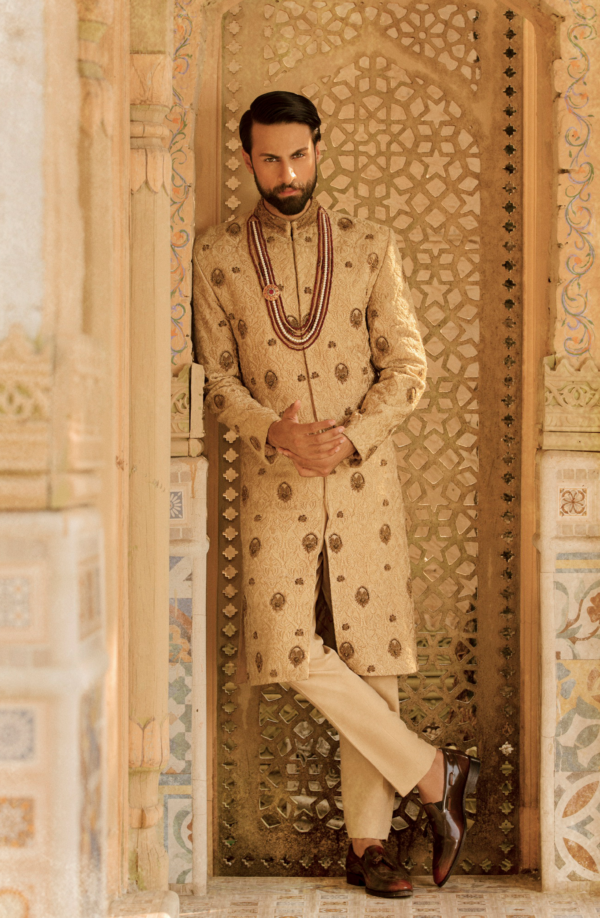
x=367 y=796
x=363 y=717
x=379 y=752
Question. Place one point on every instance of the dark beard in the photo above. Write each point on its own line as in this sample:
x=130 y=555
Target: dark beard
x=289 y=207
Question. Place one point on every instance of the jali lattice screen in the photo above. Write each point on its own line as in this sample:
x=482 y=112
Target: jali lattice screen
x=421 y=109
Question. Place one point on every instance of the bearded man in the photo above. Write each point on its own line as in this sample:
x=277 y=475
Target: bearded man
x=307 y=333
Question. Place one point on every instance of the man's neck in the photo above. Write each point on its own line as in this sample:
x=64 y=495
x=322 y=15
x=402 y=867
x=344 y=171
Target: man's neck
x=290 y=217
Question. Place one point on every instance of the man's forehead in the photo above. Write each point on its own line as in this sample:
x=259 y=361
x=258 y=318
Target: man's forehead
x=280 y=139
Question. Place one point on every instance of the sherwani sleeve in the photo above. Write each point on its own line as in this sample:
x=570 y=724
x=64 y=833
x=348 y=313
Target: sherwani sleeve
x=226 y=394
x=397 y=353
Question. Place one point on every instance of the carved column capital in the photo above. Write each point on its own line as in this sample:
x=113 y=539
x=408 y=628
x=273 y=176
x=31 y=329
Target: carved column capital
x=151 y=87
x=572 y=404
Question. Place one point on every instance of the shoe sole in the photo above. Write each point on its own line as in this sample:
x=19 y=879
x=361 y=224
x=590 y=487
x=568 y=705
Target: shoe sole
x=470 y=785
x=359 y=881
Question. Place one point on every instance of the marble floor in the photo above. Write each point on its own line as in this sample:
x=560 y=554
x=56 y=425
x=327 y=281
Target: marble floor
x=324 y=898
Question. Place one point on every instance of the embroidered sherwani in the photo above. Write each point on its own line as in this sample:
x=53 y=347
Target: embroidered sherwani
x=365 y=370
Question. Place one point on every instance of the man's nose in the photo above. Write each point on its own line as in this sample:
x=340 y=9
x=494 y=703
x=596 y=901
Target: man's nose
x=287 y=173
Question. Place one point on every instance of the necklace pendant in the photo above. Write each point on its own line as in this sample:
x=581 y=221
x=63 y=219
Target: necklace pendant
x=271 y=292
x=297 y=337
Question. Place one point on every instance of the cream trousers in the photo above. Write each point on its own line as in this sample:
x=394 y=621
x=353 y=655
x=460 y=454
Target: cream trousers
x=379 y=754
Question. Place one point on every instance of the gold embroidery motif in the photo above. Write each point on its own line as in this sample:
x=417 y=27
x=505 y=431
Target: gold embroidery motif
x=296 y=656
x=357 y=482
x=335 y=543
x=342 y=372
x=277 y=601
x=310 y=542
x=284 y=492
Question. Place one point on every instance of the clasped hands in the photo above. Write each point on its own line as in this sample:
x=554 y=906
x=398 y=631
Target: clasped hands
x=315 y=449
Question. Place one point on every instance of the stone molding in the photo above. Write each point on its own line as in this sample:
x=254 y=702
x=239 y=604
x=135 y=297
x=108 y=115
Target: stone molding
x=572 y=404
x=83 y=367
x=146 y=905
x=96 y=106
x=187 y=424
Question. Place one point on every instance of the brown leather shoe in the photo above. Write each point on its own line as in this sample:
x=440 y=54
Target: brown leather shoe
x=447 y=819
x=376 y=871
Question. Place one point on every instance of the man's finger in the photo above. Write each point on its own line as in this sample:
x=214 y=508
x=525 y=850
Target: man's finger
x=291 y=413
x=316 y=427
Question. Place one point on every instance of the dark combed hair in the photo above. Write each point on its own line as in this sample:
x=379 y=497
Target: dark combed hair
x=279 y=108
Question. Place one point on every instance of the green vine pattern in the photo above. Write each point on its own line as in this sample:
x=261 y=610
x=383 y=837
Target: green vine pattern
x=578 y=212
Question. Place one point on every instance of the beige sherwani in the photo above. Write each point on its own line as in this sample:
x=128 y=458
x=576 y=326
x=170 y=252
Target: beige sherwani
x=366 y=370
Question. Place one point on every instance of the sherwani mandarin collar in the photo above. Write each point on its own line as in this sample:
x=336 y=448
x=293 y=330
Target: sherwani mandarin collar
x=283 y=227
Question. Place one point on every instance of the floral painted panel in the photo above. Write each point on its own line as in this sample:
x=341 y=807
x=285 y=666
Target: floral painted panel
x=577 y=605
x=577 y=778
x=176 y=781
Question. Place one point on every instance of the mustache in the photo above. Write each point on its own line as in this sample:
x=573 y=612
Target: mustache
x=281 y=188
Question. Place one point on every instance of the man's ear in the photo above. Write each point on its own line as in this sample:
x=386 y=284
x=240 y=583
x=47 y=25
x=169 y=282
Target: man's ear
x=248 y=162
x=318 y=150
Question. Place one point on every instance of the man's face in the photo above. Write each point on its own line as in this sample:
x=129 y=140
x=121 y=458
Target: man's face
x=284 y=165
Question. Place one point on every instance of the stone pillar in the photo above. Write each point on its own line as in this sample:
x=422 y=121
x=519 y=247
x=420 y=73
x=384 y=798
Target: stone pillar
x=149 y=440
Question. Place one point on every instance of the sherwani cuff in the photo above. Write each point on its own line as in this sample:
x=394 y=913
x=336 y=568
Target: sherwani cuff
x=256 y=431
x=366 y=434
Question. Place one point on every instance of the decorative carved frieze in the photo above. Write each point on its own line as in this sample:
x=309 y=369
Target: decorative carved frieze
x=25 y=388
x=187 y=424
x=572 y=404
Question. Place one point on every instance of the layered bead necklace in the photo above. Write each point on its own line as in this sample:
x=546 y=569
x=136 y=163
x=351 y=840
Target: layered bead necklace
x=300 y=338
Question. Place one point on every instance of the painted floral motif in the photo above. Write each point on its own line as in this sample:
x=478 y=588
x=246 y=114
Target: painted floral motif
x=573 y=501
x=577 y=612
x=577 y=784
x=578 y=212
